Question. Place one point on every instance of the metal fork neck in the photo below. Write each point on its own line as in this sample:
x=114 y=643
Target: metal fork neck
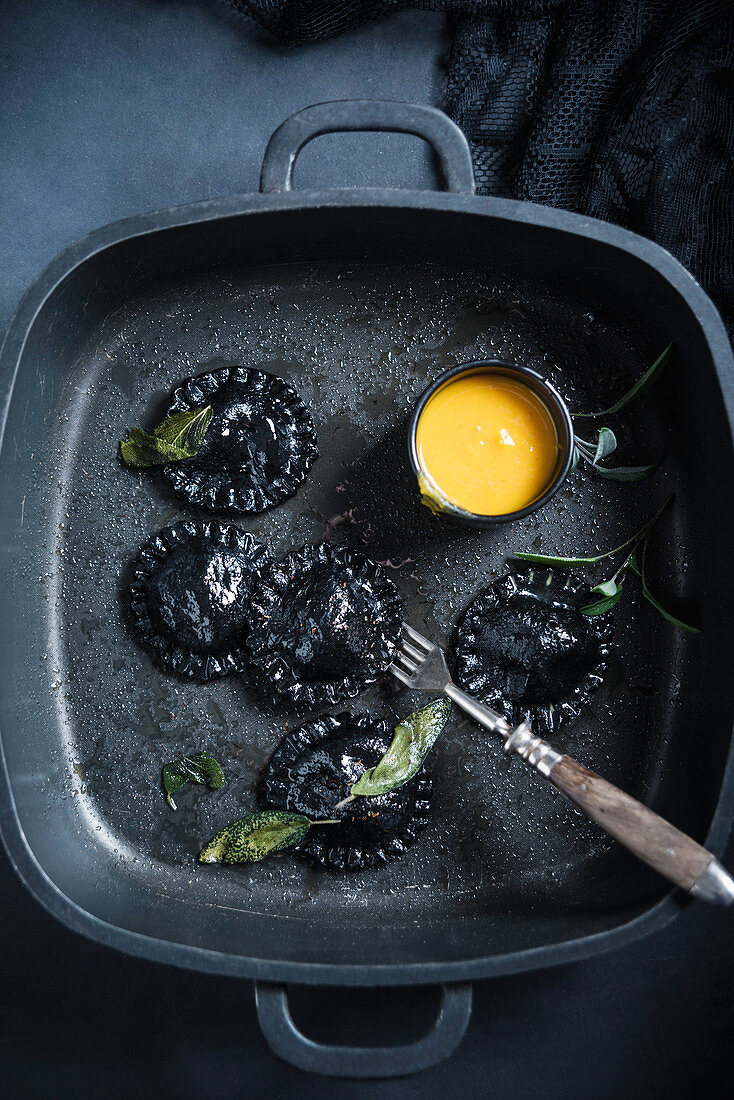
x=520 y=739
x=491 y=721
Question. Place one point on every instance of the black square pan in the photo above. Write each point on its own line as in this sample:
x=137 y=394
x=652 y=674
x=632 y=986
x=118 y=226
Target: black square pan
x=125 y=312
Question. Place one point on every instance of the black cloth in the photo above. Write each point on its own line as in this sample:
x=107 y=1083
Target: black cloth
x=621 y=109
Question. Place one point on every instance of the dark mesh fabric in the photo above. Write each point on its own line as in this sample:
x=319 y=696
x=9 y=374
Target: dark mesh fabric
x=623 y=110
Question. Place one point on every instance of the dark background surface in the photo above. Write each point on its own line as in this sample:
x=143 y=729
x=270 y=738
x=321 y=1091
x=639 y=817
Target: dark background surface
x=110 y=110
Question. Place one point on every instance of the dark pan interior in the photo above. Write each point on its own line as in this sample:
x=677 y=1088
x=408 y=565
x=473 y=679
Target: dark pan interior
x=359 y=309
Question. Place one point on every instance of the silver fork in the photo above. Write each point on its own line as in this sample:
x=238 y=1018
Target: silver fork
x=421 y=665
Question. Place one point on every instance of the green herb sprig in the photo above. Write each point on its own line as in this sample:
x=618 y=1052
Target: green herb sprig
x=595 y=451
x=179 y=436
x=609 y=592
x=201 y=767
x=258 y=835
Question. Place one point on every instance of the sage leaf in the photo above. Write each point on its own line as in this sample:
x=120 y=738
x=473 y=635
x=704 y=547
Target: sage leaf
x=607 y=588
x=666 y=614
x=413 y=740
x=642 y=574
x=256 y=836
x=179 y=436
x=610 y=590
x=627 y=473
x=185 y=430
x=199 y=768
x=605 y=445
x=143 y=449
x=651 y=375
x=559 y=562
x=599 y=607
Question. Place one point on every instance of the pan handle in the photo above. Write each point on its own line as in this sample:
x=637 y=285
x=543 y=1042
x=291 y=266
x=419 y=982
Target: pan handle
x=428 y=123
x=290 y=1044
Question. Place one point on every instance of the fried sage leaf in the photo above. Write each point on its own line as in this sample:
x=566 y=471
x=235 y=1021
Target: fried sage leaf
x=199 y=768
x=143 y=449
x=256 y=836
x=317 y=761
x=186 y=429
x=178 y=437
x=413 y=740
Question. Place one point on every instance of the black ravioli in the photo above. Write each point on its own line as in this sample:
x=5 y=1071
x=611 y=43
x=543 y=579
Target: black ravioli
x=312 y=770
x=524 y=648
x=325 y=624
x=258 y=448
x=190 y=597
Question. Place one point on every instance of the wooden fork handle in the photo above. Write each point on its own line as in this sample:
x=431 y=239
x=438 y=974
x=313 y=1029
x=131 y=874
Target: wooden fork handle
x=649 y=836
x=652 y=839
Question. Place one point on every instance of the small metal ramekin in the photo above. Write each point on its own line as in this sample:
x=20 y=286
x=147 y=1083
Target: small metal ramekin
x=553 y=402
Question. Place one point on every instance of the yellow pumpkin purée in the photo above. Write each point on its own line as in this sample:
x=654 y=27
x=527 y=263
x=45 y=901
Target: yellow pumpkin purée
x=487 y=443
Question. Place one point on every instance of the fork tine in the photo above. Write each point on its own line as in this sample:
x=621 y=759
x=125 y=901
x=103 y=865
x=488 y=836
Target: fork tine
x=411 y=651
x=398 y=672
x=417 y=638
x=408 y=664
